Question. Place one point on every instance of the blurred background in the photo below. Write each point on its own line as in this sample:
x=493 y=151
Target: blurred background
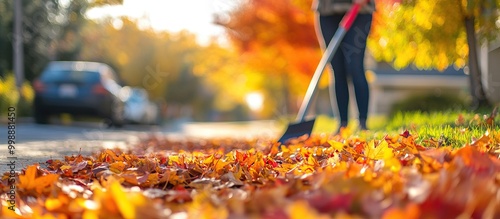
x=200 y=60
x=189 y=64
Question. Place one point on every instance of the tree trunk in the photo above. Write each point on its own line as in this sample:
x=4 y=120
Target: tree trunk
x=476 y=86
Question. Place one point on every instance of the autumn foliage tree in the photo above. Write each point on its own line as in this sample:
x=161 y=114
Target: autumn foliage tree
x=276 y=39
x=435 y=34
x=143 y=57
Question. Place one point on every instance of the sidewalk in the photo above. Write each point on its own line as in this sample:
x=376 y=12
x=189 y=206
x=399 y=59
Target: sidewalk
x=37 y=147
x=252 y=129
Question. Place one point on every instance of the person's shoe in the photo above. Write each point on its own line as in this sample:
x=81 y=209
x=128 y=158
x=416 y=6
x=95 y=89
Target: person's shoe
x=362 y=125
x=363 y=128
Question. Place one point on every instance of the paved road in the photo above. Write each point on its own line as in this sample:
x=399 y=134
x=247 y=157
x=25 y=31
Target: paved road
x=38 y=143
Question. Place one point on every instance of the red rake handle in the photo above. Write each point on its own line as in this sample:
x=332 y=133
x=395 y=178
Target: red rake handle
x=349 y=18
x=345 y=24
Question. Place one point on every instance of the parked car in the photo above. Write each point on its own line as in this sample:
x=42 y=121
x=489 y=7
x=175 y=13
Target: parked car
x=78 y=88
x=139 y=109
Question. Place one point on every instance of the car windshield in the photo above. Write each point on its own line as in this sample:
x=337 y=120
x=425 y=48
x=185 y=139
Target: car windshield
x=88 y=77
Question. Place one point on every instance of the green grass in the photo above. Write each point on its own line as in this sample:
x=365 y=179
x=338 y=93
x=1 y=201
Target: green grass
x=441 y=128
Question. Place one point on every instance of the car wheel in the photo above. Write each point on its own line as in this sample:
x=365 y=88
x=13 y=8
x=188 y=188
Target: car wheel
x=117 y=114
x=40 y=116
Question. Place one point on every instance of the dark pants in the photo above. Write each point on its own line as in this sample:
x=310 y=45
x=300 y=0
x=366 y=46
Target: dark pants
x=348 y=62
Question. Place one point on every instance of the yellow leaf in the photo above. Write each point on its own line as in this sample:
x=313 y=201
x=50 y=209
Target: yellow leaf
x=336 y=145
x=312 y=161
x=209 y=160
x=65 y=167
x=381 y=152
x=126 y=203
x=393 y=164
x=220 y=164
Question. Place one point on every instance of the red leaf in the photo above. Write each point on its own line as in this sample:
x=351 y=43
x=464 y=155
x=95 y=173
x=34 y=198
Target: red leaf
x=405 y=134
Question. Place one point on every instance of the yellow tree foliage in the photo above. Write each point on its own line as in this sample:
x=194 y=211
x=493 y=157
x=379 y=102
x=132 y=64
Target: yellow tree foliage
x=429 y=34
x=158 y=61
x=228 y=78
x=142 y=57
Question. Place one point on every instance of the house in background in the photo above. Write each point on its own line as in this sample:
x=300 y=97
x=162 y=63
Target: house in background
x=391 y=86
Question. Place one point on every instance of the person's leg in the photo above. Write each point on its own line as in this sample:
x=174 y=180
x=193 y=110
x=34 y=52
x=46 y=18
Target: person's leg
x=329 y=25
x=354 y=50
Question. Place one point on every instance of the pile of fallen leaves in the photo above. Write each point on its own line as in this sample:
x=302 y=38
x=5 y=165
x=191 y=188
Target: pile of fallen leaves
x=318 y=177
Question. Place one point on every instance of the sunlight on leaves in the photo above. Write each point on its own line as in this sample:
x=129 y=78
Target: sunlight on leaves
x=379 y=152
x=321 y=176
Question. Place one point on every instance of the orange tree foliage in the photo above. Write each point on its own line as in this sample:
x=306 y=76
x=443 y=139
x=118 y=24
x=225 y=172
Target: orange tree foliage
x=257 y=23
x=276 y=39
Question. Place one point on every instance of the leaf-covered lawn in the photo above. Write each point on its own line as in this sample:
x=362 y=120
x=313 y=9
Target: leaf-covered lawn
x=341 y=176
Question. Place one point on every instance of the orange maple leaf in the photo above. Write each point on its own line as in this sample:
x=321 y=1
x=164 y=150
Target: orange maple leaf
x=30 y=183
